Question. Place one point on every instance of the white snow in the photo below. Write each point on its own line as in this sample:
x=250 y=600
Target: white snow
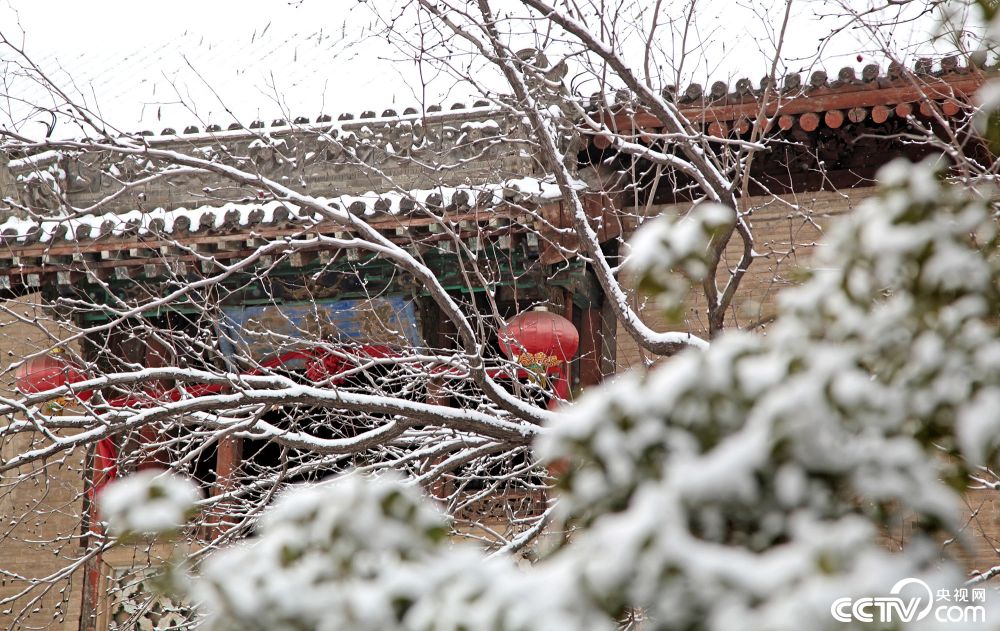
x=147 y=502
x=65 y=228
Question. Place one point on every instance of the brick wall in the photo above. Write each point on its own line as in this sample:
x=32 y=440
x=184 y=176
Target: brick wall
x=40 y=506
x=787 y=230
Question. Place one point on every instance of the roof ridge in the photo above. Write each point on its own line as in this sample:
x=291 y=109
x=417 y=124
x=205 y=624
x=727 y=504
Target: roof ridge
x=322 y=121
x=847 y=80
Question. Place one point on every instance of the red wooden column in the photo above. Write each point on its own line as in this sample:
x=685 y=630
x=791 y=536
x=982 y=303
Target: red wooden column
x=157 y=356
x=227 y=461
x=92 y=567
x=439 y=332
x=440 y=488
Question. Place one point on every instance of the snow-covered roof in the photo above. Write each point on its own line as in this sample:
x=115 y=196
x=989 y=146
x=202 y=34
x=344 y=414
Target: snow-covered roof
x=366 y=127
x=391 y=206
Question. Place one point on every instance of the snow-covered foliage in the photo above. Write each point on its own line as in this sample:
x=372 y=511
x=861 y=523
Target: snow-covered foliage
x=373 y=555
x=746 y=485
x=148 y=502
x=743 y=486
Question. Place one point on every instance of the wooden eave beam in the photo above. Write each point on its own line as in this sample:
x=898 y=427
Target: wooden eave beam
x=62 y=247
x=39 y=258
x=818 y=101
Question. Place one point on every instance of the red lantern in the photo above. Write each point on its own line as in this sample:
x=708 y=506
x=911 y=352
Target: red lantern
x=539 y=338
x=46 y=372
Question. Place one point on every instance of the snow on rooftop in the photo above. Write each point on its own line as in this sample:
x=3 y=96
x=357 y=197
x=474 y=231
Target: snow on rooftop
x=371 y=205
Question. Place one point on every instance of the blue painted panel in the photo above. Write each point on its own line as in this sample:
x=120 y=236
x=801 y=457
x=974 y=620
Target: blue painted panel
x=267 y=330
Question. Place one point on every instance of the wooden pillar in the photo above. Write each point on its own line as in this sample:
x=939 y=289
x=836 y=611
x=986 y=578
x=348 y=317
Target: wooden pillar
x=590 y=347
x=438 y=333
x=228 y=457
x=227 y=461
x=567 y=367
x=156 y=356
x=92 y=567
x=607 y=340
x=440 y=488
